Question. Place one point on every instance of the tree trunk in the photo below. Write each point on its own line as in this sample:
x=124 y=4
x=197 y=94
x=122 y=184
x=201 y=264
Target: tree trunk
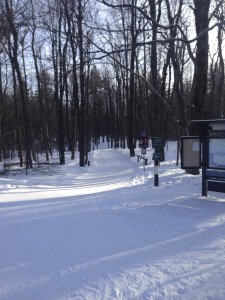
x=199 y=86
x=13 y=55
x=132 y=88
x=1 y=116
x=82 y=112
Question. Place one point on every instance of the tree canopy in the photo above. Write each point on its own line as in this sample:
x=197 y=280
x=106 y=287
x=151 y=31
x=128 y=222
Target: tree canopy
x=72 y=72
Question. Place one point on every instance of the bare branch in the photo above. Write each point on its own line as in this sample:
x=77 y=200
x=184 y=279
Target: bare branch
x=162 y=100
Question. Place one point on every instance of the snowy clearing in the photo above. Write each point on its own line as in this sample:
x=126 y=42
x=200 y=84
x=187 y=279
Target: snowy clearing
x=105 y=232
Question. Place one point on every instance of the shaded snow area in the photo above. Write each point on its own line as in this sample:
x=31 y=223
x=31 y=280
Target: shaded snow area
x=105 y=232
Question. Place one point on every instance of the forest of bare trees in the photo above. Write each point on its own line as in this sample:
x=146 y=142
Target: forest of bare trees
x=75 y=71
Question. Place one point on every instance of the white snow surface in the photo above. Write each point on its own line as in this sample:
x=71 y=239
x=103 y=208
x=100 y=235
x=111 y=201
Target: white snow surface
x=106 y=232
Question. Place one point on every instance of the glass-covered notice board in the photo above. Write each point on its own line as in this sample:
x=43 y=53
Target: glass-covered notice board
x=216 y=153
x=190 y=152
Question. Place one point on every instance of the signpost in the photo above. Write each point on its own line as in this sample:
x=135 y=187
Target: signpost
x=143 y=151
x=156 y=158
x=143 y=144
x=158 y=144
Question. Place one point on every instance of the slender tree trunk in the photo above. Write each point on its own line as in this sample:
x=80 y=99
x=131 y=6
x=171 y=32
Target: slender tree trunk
x=154 y=72
x=132 y=88
x=82 y=112
x=18 y=121
x=40 y=93
x=13 y=55
x=221 y=90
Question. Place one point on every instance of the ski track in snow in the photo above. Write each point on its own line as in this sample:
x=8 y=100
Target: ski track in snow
x=105 y=232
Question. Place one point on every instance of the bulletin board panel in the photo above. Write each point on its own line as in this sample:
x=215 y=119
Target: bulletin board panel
x=216 y=153
x=190 y=152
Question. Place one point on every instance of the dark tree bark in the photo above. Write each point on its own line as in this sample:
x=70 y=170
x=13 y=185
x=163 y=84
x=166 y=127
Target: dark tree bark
x=199 y=86
x=132 y=87
x=44 y=125
x=155 y=110
x=1 y=115
x=71 y=23
x=221 y=83
x=175 y=55
x=59 y=46
x=82 y=111
x=13 y=56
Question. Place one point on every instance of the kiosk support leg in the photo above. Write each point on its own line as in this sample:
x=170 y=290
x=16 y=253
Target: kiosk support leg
x=204 y=167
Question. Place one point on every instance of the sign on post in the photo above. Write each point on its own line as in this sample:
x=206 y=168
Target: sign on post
x=143 y=151
x=156 y=158
x=143 y=142
x=158 y=143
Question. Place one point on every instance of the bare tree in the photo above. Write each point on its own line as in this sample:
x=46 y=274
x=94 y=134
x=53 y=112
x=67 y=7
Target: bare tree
x=37 y=53
x=70 y=15
x=13 y=53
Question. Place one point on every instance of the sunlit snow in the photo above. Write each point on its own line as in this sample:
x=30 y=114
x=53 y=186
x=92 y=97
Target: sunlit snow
x=106 y=232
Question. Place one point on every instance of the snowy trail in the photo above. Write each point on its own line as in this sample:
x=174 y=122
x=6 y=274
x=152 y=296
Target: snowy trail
x=76 y=182
x=105 y=232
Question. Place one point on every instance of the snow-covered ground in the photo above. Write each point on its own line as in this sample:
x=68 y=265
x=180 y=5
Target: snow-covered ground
x=105 y=232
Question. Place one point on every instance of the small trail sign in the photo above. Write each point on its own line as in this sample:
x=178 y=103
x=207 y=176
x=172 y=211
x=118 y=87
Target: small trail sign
x=158 y=143
x=143 y=151
x=143 y=142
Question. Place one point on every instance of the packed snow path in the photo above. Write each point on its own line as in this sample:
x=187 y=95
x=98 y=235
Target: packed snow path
x=105 y=232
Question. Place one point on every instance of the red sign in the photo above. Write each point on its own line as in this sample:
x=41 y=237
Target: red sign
x=143 y=142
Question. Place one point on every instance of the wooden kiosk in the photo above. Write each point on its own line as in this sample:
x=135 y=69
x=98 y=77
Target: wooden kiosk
x=206 y=150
